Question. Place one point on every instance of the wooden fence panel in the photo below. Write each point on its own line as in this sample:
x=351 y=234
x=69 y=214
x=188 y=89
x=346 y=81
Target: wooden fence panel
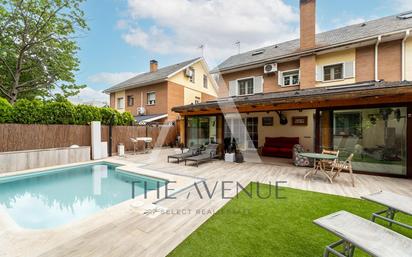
x=17 y=137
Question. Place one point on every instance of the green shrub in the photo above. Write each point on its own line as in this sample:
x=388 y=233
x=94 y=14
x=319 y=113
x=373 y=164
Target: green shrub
x=59 y=113
x=107 y=114
x=5 y=111
x=86 y=114
x=27 y=111
x=127 y=119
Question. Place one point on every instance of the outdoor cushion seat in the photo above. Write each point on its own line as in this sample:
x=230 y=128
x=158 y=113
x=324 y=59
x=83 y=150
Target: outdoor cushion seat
x=279 y=146
x=299 y=160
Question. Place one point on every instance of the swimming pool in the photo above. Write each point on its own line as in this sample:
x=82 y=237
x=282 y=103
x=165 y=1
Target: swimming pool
x=56 y=197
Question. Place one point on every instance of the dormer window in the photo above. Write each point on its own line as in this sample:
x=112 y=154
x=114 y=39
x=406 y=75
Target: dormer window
x=258 y=52
x=405 y=16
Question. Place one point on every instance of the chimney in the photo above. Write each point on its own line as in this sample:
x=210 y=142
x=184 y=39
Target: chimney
x=307 y=24
x=153 y=65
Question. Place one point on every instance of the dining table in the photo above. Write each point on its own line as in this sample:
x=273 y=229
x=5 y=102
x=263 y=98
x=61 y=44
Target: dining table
x=317 y=158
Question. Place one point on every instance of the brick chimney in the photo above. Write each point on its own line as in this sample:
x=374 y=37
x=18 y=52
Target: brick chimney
x=307 y=41
x=307 y=24
x=153 y=65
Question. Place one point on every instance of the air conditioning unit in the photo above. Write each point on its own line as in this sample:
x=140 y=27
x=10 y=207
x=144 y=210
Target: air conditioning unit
x=270 y=68
x=189 y=72
x=141 y=110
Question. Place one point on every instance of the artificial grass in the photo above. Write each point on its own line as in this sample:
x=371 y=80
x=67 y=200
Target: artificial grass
x=274 y=227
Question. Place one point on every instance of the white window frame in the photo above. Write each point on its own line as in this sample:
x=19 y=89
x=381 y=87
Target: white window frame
x=147 y=98
x=120 y=103
x=333 y=64
x=246 y=78
x=283 y=78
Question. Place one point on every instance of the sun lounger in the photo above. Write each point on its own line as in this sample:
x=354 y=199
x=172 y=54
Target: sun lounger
x=193 y=150
x=357 y=232
x=207 y=155
x=394 y=203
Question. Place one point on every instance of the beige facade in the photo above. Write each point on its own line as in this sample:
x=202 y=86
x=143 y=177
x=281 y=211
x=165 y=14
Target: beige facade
x=342 y=57
x=178 y=89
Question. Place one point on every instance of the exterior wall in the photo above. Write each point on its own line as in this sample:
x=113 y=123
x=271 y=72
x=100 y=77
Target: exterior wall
x=175 y=97
x=112 y=100
x=270 y=81
x=205 y=97
x=118 y=95
x=408 y=59
x=307 y=72
x=365 y=63
x=181 y=79
x=190 y=96
x=389 y=61
x=161 y=106
x=33 y=159
x=333 y=58
x=305 y=133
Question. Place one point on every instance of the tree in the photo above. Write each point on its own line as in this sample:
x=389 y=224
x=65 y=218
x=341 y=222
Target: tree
x=38 y=47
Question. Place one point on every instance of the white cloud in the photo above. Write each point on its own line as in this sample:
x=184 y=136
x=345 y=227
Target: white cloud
x=181 y=26
x=110 y=78
x=90 y=95
x=404 y=5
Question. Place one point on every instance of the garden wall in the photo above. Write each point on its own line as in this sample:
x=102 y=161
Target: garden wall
x=19 y=137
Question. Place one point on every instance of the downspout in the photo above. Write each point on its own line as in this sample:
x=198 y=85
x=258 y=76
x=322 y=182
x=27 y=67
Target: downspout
x=407 y=34
x=376 y=57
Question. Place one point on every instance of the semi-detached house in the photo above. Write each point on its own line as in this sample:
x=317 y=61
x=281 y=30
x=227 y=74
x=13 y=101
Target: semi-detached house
x=347 y=89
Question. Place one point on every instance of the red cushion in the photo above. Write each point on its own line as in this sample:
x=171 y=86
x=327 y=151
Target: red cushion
x=279 y=146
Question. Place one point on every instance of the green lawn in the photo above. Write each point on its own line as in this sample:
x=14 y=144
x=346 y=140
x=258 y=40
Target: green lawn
x=273 y=227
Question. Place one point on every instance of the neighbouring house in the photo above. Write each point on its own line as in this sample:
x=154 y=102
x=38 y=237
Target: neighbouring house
x=347 y=89
x=150 y=96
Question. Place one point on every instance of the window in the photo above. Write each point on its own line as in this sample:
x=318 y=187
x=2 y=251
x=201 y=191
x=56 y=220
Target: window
x=192 y=77
x=245 y=86
x=151 y=98
x=204 y=81
x=290 y=78
x=333 y=72
x=197 y=100
x=120 y=103
x=130 y=100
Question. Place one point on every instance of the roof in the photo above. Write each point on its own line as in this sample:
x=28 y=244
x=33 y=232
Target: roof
x=357 y=32
x=142 y=119
x=149 y=78
x=278 y=97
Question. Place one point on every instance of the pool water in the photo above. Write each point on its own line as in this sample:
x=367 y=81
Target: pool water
x=52 y=198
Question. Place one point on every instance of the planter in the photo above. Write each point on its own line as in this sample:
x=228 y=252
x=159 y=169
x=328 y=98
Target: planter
x=230 y=157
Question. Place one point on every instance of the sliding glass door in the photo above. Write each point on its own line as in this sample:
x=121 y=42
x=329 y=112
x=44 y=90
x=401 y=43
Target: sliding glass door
x=243 y=131
x=201 y=130
x=376 y=136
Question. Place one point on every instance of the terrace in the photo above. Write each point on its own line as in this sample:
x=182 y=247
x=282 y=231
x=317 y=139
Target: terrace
x=133 y=233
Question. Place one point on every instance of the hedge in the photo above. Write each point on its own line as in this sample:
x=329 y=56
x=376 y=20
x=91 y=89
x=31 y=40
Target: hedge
x=59 y=112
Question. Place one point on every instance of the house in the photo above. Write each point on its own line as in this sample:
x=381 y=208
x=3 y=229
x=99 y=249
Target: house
x=347 y=89
x=150 y=96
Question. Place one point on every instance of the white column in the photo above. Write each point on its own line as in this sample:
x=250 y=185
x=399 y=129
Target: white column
x=96 y=140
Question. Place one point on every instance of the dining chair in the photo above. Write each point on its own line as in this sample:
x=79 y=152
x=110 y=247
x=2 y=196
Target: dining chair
x=344 y=165
x=327 y=164
x=135 y=142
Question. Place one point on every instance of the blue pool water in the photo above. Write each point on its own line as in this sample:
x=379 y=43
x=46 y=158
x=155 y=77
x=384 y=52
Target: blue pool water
x=56 y=197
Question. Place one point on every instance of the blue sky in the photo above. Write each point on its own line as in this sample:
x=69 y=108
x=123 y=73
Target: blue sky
x=125 y=34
